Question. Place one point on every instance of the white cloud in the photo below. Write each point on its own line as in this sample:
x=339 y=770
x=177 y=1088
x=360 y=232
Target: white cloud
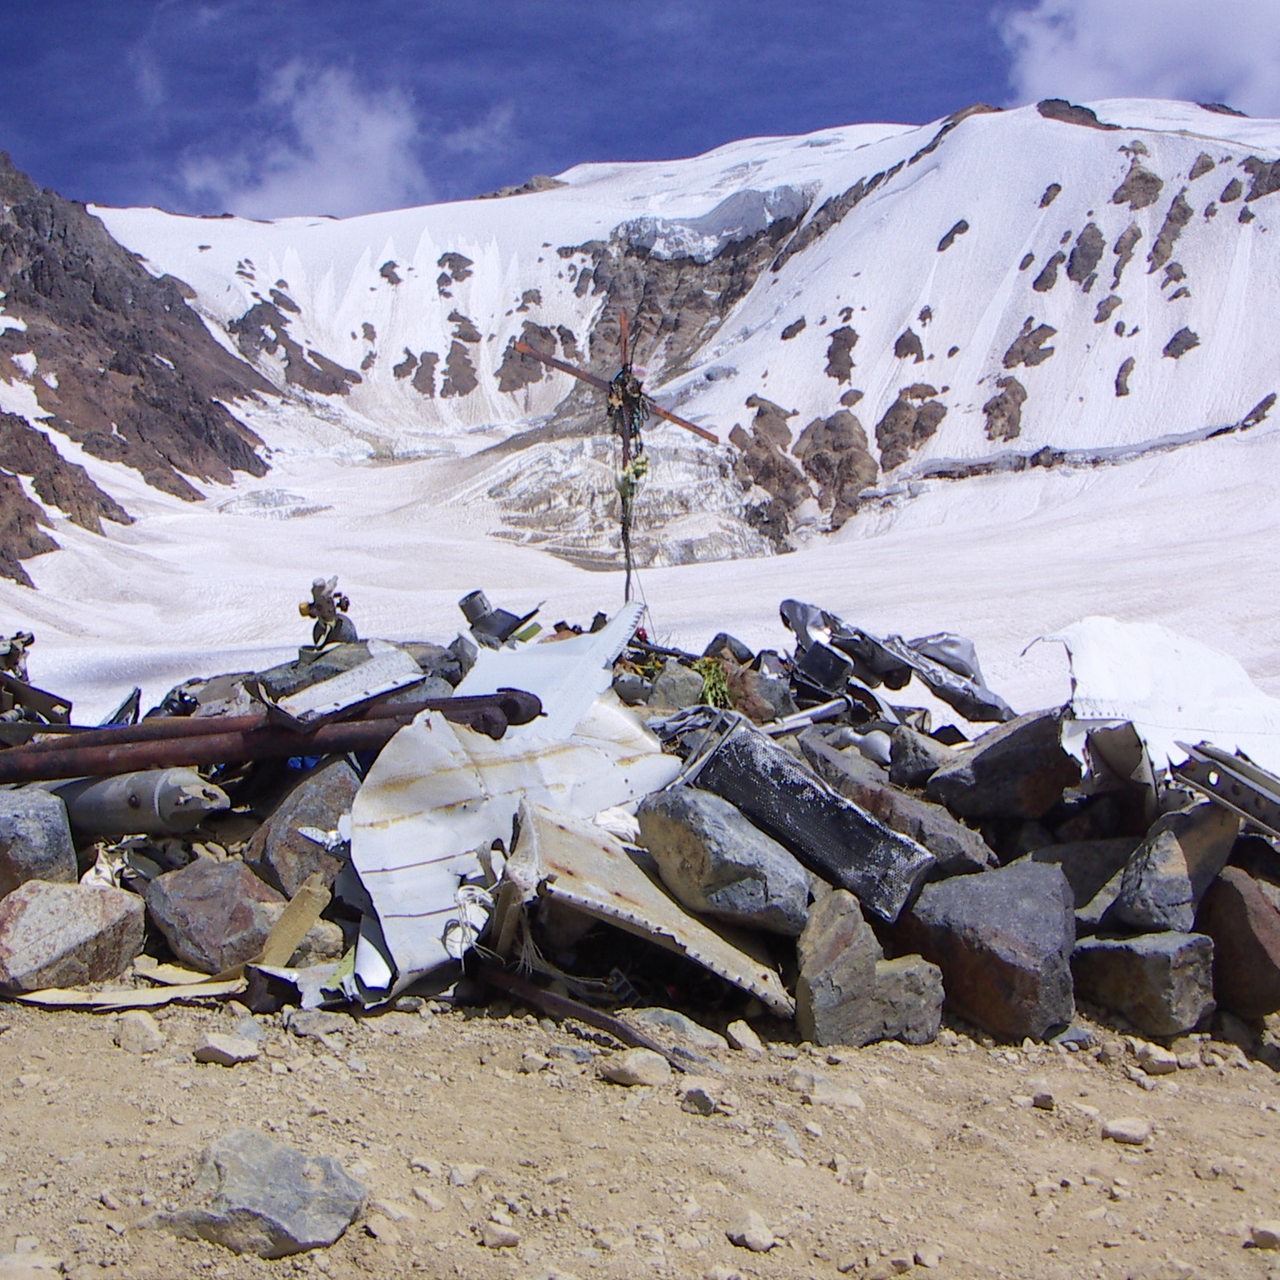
x=1225 y=51
x=333 y=147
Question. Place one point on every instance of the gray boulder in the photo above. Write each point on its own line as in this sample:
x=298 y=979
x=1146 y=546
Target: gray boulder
x=64 y=935
x=675 y=686
x=280 y=853
x=258 y=1196
x=847 y=993
x=1172 y=868
x=1161 y=982
x=1003 y=941
x=35 y=839
x=715 y=861
x=1087 y=864
x=1245 y=927
x=214 y=915
x=1019 y=770
x=915 y=757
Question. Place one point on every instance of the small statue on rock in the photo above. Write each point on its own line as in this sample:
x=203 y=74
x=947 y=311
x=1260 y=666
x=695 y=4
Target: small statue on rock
x=328 y=606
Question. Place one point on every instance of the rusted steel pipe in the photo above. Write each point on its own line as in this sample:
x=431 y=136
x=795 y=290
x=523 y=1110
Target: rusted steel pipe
x=97 y=759
x=516 y=706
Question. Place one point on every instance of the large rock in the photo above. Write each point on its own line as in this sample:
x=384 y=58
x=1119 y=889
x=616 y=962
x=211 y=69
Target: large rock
x=1003 y=941
x=915 y=757
x=280 y=853
x=214 y=915
x=847 y=993
x=1161 y=982
x=956 y=848
x=258 y=1196
x=1173 y=867
x=675 y=686
x=1019 y=770
x=64 y=935
x=35 y=839
x=1245 y=927
x=1087 y=864
x=715 y=861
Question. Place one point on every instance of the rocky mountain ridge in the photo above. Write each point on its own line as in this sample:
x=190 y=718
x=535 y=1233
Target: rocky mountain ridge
x=858 y=314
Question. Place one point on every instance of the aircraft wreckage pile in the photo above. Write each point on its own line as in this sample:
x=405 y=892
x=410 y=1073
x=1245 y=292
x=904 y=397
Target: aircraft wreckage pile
x=592 y=823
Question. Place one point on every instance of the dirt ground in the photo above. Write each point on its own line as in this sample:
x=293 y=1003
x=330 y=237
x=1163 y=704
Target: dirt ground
x=959 y=1158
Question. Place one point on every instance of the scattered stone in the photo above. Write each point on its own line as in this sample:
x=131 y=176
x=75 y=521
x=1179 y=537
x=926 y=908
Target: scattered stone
x=1156 y=1060
x=138 y=1032
x=258 y=1196
x=915 y=757
x=675 y=686
x=1244 y=924
x=466 y=1175
x=636 y=1067
x=680 y=1028
x=280 y=853
x=752 y=1232
x=836 y=990
x=35 y=839
x=1088 y=864
x=742 y=1037
x=226 y=1051
x=702 y=1097
x=929 y=1256
x=1161 y=982
x=64 y=935
x=714 y=860
x=1265 y=1235
x=21 y=1265
x=1173 y=867
x=1129 y=1131
x=1018 y=770
x=497 y=1235
x=213 y=914
x=429 y=1198
x=1003 y=941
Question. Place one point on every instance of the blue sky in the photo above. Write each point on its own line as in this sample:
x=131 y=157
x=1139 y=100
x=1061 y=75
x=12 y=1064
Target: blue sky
x=275 y=107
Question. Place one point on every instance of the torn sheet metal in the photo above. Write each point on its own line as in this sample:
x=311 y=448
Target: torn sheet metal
x=439 y=793
x=828 y=834
x=946 y=663
x=1172 y=688
x=581 y=866
x=389 y=668
x=566 y=674
x=1234 y=782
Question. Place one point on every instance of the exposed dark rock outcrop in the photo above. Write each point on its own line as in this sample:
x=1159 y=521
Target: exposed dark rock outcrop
x=140 y=379
x=264 y=330
x=1028 y=347
x=1124 y=246
x=792 y=330
x=839 y=354
x=908 y=422
x=1086 y=253
x=829 y=213
x=1122 y=376
x=909 y=346
x=460 y=374
x=1140 y=187
x=764 y=459
x=20 y=533
x=1178 y=216
x=1051 y=193
x=518 y=370
x=1004 y=411
x=1181 y=343
x=1106 y=308
x=1070 y=113
x=834 y=453
x=1048 y=276
x=1203 y=164
x=424 y=378
x=1265 y=175
x=950 y=238
x=1232 y=191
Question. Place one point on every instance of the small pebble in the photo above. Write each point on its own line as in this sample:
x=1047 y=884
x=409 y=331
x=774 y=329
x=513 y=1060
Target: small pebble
x=1265 y=1235
x=497 y=1235
x=741 y=1035
x=1131 y=1131
x=226 y=1051
x=636 y=1067
x=752 y=1232
x=138 y=1032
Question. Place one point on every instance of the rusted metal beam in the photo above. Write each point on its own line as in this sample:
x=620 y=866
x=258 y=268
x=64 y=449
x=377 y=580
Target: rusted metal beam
x=88 y=755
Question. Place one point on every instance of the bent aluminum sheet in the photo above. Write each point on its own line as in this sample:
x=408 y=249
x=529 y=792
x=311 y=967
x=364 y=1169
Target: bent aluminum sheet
x=566 y=674
x=582 y=866
x=1172 y=688
x=439 y=792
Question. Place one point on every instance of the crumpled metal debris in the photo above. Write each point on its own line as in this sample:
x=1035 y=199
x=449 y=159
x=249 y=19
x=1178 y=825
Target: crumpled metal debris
x=947 y=663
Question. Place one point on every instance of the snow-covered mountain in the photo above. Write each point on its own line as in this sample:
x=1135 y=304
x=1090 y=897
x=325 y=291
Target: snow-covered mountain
x=890 y=328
